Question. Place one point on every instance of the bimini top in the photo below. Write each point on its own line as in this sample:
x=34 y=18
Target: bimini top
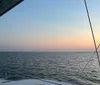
x=6 y=5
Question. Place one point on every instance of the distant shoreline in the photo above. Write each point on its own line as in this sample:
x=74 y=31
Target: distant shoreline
x=47 y=51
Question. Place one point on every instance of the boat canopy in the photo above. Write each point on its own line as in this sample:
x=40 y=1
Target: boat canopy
x=6 y=5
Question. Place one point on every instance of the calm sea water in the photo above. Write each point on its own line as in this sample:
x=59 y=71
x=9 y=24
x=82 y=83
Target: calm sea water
x=61 y=66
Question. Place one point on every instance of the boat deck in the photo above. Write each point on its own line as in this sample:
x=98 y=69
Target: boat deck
x=33 y=82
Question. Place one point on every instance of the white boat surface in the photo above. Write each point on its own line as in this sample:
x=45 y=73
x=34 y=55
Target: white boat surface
x=33 y=82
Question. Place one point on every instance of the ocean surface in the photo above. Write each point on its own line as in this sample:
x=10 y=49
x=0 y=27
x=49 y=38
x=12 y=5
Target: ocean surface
x=60 y=66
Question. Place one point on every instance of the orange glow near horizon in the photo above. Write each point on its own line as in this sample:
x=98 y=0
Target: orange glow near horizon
x=77 y=41
x=62 y=43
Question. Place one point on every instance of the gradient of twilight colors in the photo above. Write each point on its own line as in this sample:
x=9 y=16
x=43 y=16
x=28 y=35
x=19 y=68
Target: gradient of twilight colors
x=50 y=25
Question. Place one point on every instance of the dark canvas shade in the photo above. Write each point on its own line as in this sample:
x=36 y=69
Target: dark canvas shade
x=6 y=5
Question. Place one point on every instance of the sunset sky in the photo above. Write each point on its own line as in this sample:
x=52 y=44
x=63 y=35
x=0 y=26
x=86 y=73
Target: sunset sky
x=50 y=25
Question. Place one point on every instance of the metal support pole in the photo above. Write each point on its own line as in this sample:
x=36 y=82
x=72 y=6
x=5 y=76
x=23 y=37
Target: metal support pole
x=92 y=31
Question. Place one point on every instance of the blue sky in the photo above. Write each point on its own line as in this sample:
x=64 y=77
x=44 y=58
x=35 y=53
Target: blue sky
x=49 y=25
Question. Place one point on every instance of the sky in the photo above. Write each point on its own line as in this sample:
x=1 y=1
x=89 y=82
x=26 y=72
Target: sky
x=50 y=25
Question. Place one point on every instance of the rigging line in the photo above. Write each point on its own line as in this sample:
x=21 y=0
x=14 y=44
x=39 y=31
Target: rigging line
x=92 y=31
x=89 y=60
